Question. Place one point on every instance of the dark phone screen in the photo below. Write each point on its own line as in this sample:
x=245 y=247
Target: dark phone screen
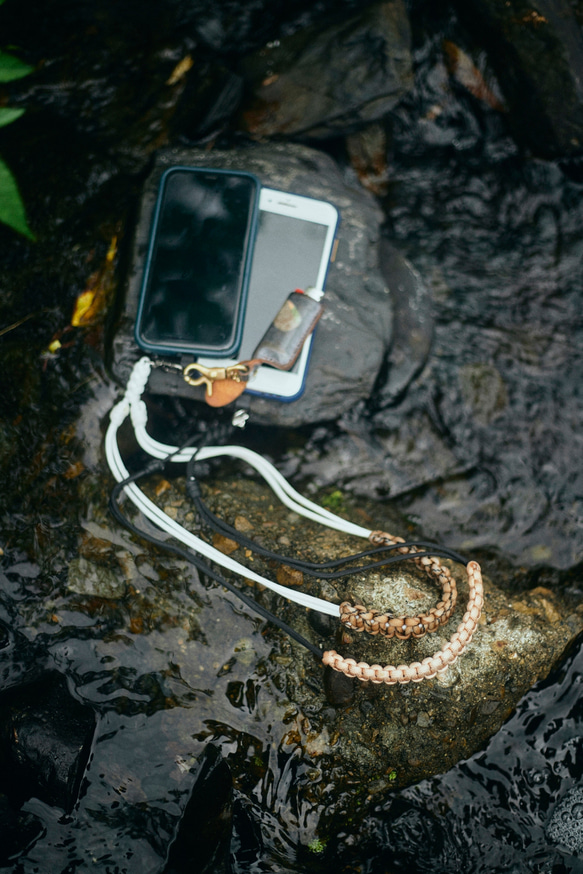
x=192 y=298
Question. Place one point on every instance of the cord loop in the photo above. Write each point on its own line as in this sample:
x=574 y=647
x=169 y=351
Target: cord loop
x=357 y=617
x=431 y=666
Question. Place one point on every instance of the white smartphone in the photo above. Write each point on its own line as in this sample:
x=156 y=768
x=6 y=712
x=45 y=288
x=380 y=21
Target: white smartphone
x=293 y=248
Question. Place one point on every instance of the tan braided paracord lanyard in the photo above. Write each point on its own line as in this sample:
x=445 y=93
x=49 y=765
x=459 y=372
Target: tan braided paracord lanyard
x=429 y=667
x=357 y=617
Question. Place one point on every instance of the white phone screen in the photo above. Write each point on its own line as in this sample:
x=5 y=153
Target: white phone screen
x=293 y=246
x=288 y=255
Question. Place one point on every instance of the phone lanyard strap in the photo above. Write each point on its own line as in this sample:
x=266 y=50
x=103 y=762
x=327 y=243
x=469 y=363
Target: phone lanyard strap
x=358 y=618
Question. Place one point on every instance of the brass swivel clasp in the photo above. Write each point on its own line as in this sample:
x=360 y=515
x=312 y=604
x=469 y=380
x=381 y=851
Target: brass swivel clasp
x=210 y=375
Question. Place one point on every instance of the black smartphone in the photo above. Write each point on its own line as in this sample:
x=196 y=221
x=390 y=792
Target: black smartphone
x=198 y=264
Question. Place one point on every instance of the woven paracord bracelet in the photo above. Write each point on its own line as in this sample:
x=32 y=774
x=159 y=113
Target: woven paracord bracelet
x=357 y=617
x=429 y=667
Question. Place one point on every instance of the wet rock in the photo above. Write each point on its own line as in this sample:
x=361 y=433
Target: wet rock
x=307 y=751
x=532 y=763
x=203 y=839
x=355 y=331
x=412 y=325
x=243 y=524
x=89 y=578
x=367 y=150
x=387 y=463
x=413 y=730
x=209 y=99
x=289 y=576
x=323 y=82
x=18 y=830
x=45 y=740
x=224 y=544
x=565 y=826
x=537 y=54
x=229 y=27
x=339 y=688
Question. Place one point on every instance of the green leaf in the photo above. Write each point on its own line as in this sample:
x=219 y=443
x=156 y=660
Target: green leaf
x=12 y=68
x=7 y=116
x=11 y=206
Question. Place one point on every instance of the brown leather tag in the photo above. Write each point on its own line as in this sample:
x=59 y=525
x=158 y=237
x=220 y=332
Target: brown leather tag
x=224 y=391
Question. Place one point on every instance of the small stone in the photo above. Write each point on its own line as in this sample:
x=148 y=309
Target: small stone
x=318 y=744
x=224 y=544
x=448 y=678
x=338 y=687
x=243 y=524
x=488 y=707
x=162 y=486
x=289 y=576
x=87 y=578
x=367 y=150
x=322 y=623
x=376 y=786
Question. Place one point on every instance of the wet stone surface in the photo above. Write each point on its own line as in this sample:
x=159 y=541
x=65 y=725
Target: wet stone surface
x=542 y=50
x=470 y=432
x=362 y=67
x=520 y=797
x=409 y=730
x=174 y=663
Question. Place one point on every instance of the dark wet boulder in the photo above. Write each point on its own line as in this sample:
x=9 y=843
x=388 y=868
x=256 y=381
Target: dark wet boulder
x=21 y=661
x=45 y=741
x=413 y=324
x=537 y=53
x=18 y=830
x=235 y=27
x=355 y=331
x=325 y=81
x=202 y=842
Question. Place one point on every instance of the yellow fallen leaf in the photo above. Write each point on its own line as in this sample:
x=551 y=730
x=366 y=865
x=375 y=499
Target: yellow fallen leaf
x=83 y=305
x=93 y=301
x=180 y=70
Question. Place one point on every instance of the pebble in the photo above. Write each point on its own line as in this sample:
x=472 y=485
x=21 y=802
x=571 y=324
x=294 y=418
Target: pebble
x=243 y=524
x=224 y=544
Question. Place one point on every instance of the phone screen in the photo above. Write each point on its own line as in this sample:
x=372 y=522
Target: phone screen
x=192 y=296
x=287 y=255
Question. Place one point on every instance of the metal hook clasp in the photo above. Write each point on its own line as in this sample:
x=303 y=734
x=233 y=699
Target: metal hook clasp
x=209 y=375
